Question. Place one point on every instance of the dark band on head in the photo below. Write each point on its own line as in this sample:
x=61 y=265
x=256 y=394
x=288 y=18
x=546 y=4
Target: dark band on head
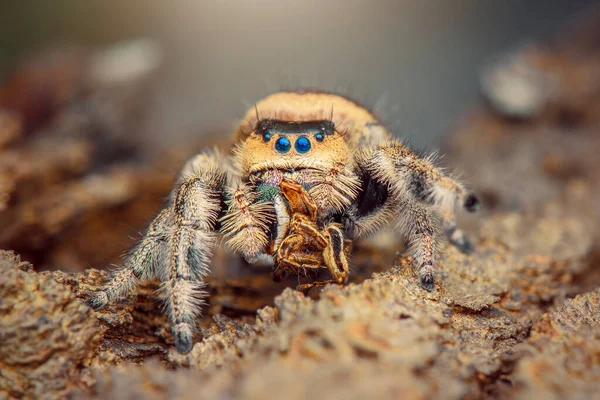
x=272 y=126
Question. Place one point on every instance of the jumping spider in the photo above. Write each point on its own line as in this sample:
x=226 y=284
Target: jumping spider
x=308 y=174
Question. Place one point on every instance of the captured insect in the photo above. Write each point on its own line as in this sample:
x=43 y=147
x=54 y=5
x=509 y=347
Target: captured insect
x=308 y=174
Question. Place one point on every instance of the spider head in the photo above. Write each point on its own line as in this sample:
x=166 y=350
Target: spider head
x=300 y=130
x=280 y=144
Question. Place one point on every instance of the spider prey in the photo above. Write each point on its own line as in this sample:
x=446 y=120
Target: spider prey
x=308 y=174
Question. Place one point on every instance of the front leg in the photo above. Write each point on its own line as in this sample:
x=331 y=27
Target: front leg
x=334 y=189
x=247 y=222
x=196 y=208
x=177 y=247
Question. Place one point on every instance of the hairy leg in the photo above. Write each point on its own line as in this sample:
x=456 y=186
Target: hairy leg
x=196 y=207
x=408 y=176
x=455 y=235
x=245 y=225
x=413 y=190
x=141 y=263
x=334 y=189
x=416 y=224
x=403 y=172
x=177 y=247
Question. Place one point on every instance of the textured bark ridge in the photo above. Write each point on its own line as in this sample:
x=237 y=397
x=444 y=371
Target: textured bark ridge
x=519 y=318
x=491 y=327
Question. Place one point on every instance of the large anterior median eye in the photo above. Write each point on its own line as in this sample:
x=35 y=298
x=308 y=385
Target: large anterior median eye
x=303 y=145
x=283 y=145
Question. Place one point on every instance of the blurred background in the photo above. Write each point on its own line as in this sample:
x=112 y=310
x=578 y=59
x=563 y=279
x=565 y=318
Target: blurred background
x=95 y=123
x=416 y=61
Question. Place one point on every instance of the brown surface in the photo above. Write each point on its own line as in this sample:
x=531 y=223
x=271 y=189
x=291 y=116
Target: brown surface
x=385 y=336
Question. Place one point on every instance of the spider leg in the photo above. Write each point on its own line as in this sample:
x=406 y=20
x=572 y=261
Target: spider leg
x=398 y=184
x=416 y=223
x=196 y=207
x=405 y=172
x=333 y=189
x=246 y=222
x=140 y=265
x=455 y=235
x=178 y=247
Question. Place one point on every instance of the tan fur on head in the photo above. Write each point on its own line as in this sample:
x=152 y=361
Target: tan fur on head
x=352 y=122
x=347 y=116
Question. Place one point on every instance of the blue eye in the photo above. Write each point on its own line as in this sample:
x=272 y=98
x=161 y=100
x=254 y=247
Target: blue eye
x=320 y=137
x=267 y=137
x=303 y=145
x=283 y=145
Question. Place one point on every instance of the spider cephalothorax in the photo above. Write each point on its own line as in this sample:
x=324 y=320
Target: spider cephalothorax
x=308 y=174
